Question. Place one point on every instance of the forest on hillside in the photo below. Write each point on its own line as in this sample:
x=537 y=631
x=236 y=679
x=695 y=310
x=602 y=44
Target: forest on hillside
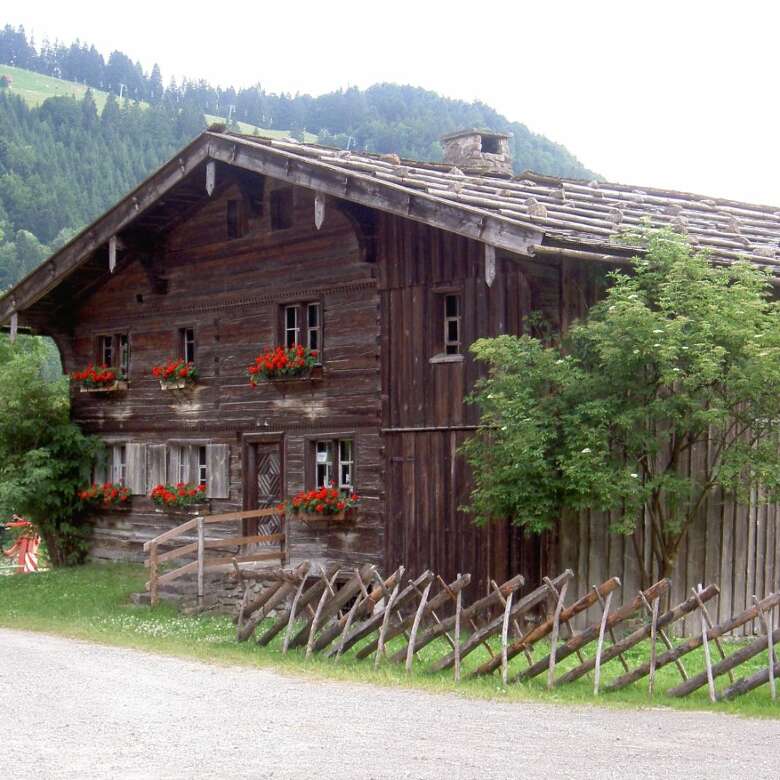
x=63 y=163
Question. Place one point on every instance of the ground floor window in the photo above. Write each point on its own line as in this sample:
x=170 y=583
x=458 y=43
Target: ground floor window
x=334 y=463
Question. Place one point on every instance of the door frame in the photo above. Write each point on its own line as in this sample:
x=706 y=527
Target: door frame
x=249 y=469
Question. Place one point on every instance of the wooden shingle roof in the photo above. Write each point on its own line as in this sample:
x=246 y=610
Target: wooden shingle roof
x=530 y=214
x=572 y=213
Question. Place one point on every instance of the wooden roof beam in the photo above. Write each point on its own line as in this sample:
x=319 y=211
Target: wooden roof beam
x=54 y=270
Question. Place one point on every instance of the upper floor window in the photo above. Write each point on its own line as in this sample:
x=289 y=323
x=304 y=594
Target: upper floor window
x=452 y=315
x=281 y=208
x=187 y=344
x=114 y=351
x=302 y=324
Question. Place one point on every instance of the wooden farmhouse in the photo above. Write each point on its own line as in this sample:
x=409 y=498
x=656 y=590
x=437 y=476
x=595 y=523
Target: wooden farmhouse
x=391 y=269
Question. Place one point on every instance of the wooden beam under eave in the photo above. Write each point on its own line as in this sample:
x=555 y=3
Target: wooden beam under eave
x=377 y=194
x=41 y=281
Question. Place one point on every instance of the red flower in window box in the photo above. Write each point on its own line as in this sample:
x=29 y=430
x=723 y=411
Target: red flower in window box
x=108 y=495
x=175 y=374
x=100 y=378
x=323 y=504
x=182 y=494
x=283 y=363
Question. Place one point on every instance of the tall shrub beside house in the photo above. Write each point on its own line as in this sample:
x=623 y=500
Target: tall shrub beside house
x=679 y=354
x=44 y=458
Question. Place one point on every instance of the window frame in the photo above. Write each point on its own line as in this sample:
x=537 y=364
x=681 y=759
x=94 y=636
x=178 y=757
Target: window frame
x=115 y=472
x=303 y=328
x=184 y=342
x=334 y=443
x=120 y=354
x=443 y=348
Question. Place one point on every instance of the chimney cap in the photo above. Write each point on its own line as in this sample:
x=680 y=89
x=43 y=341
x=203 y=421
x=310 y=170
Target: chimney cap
x=474 y=131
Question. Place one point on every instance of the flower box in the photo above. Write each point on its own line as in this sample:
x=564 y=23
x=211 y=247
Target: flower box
x=115 y=386
x=106 y=497
x=316 y=520
x=181 y=498
x=323 y=506
x=180 y=384
x=284 y=365
x=100 y=379
x=175 y=375
x=315 y=374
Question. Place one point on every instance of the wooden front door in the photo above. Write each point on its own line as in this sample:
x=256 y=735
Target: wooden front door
x=264 y=482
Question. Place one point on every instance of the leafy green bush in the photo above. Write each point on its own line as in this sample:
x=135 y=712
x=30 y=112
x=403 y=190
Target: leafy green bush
x=44 y=458
x=679 y=355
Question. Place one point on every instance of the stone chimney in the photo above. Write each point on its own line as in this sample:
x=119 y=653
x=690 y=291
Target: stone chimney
x=478 y=152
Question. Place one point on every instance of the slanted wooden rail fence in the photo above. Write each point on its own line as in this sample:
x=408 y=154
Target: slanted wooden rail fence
x=178 y=549
x=368 y=611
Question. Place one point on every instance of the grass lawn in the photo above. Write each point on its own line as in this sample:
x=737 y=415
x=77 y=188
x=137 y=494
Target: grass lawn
x=91 y=603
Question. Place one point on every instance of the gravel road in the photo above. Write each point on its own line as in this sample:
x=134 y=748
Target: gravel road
x=73 y=709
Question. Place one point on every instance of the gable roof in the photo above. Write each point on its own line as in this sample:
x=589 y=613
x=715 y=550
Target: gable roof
x=530 y=214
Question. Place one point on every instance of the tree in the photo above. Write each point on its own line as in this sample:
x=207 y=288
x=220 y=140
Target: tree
x=680 y=356
x=44 y=458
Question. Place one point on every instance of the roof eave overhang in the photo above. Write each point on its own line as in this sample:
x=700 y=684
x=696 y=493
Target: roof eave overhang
x=501 y=232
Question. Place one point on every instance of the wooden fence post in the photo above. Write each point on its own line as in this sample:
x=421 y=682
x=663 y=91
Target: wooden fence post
x=707 y=659
x=380 y=647
x=153 y=573
x=458 y=605
x=600 y=644
x=504 y=640
x=415 y=626
x=201 y=562
x=654 y=647
x=554 y=637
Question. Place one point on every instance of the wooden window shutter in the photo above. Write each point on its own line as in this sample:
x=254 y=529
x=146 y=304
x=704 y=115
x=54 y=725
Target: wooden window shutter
x=136 y=468
x=218 y=470
x=157 y=466
x=174 y=456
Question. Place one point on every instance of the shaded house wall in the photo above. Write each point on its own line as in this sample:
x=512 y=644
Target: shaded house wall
x=231 y=293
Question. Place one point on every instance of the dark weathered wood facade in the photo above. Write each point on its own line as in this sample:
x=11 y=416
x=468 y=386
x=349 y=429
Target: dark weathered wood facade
x=395 y=241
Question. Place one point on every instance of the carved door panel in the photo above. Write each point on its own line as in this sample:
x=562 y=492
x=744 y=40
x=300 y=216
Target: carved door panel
x=264 y=484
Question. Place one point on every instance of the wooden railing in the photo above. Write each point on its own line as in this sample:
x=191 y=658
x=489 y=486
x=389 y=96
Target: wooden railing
x=201 y=545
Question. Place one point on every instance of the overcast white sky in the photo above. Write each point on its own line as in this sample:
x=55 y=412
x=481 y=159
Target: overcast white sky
x=680 y=94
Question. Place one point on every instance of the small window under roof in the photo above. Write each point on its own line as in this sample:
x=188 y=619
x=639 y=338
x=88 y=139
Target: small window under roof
x=489 y=144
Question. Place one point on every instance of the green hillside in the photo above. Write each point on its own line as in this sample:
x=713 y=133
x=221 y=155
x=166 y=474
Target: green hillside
x=34 y=88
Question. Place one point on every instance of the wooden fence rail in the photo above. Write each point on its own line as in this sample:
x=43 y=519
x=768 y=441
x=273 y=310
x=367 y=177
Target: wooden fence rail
x=257 y=547
x=336 y=612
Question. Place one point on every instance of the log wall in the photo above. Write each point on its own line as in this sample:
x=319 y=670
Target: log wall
x=231 y=293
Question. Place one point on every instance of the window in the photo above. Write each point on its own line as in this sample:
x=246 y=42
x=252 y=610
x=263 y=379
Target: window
x=187 y=344
x=292 y=328
x=124 y=353
x=313 y=326
x=194 y=463
x=114 y=351
x=106 y=350
x=183 y=462
x=282 y=209
x=203 y=469
x=334 y=464
x=302 y=324
x=117 y=464
x=235 y=227
x=346 y=464
x=489 y=144
x=452 y=308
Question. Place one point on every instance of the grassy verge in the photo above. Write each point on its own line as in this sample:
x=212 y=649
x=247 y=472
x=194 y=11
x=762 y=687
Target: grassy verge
x=91 y=603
